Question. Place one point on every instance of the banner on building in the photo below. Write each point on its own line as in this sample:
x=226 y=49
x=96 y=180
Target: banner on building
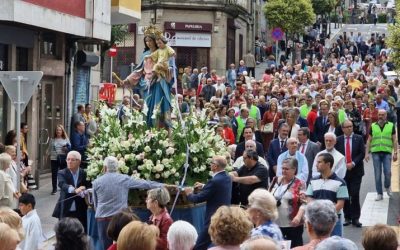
x=188 y=39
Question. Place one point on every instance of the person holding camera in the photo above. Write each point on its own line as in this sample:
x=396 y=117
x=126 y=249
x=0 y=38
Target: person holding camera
x=287 y=191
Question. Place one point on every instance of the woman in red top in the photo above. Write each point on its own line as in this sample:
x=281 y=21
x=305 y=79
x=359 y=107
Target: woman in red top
x=370 y=116
x=156 y=201
x=312 y=117
x=271 y=115
x=203 y=82
x=225 y=132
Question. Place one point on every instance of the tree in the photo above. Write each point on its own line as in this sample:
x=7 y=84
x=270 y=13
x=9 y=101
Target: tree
x=291 y=16
x=394 y=40
x=324 y=7
x=118 y=34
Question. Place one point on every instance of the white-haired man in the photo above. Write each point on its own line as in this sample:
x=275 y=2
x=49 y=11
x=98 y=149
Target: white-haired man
x=72 y=181
x=292 y=152
x=339 y=166
x=110 y=195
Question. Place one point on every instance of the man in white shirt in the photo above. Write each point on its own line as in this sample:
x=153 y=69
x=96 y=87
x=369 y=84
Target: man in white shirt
x=30 y=223
x=339 y=166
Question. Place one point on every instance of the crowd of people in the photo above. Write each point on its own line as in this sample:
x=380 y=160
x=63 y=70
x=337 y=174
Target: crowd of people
x=298 y=138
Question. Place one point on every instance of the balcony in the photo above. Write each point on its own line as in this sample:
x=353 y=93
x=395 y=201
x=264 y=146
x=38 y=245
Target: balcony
x=125 y=11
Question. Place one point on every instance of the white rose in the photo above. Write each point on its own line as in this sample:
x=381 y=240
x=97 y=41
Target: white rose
x=147 y=149
x=159 y=152
x=195 y=159
x=176 y=174
x=170 y=151
x=157 y=176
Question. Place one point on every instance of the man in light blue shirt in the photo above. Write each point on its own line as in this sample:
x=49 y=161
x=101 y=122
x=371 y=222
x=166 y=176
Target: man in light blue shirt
x=380 y=103
x=110 y=195
x=302 y=170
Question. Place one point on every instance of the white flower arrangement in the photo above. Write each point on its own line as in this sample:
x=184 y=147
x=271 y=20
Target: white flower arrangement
x=151 y=153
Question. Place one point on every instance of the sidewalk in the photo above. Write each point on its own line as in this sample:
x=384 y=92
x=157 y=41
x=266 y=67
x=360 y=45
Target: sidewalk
x=45 y=203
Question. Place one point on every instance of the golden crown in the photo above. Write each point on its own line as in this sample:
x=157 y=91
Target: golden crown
x=152 y=30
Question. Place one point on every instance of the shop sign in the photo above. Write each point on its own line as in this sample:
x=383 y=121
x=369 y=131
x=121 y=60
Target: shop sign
x=205 y=27
x=187 y=39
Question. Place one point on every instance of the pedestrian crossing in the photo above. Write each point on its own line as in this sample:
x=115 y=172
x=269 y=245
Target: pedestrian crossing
x=373 y=212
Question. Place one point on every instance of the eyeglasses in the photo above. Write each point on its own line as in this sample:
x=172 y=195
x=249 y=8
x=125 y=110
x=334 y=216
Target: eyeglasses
x=71 y=159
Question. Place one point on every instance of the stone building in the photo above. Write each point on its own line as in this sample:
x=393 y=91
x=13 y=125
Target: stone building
x=212 y=33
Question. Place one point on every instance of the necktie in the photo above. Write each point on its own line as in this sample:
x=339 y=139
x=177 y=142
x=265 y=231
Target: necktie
x=324 y=120
x=282 y=144
x=303 y=148
x=348 y=152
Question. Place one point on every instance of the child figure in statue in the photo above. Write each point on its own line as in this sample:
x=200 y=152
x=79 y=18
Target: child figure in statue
x=161 y=57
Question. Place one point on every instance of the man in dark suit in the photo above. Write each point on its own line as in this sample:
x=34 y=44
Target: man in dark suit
x=217 y=192
x=321 y=125
x=308 y=148
x=353 y=148
x=72 y=182
x=248 y=134
x=276 y=147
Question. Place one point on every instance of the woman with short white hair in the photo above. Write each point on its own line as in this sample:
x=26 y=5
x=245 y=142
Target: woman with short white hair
x=8 y=194
x=181 y=236
x=263 y=211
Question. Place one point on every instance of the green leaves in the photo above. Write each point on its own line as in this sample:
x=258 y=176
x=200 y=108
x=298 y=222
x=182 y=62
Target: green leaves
x=291 y=16
x=394 y=40
x=324 y=7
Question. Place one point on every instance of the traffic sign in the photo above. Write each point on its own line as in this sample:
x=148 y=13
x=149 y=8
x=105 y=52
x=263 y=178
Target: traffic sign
x=277 y=34
x=28 y=81
x=112 y=52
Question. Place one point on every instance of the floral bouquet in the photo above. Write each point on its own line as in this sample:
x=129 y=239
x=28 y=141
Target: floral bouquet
x=151 y=153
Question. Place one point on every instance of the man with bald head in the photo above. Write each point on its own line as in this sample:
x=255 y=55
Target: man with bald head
x=217 y=192
x=250 y=144
x=302 y=171
x=382 y=144
x=339 y=166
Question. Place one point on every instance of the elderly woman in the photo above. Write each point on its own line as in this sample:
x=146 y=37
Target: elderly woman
x=138 y=235
x=8 y=194
x=12 y=218
x=229 y=227
x=181 y=236
x=263 y=211
x=156 y=202
x=336 y=242
x=354 y=116
x=320 y=218
x=287 y=192
x=9 y=238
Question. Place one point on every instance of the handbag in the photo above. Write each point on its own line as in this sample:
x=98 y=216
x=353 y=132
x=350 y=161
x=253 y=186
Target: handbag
x=269 y=127
x=62 y=161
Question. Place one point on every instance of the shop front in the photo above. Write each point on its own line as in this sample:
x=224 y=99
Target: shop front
x=191 y=41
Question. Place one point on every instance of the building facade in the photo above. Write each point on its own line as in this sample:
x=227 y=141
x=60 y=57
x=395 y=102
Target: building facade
x=63 y=39
x=212 y=33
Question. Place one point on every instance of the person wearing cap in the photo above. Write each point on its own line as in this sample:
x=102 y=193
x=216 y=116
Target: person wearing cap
x=337 y=107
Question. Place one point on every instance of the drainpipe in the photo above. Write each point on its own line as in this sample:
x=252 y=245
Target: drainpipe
x=69 y=88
